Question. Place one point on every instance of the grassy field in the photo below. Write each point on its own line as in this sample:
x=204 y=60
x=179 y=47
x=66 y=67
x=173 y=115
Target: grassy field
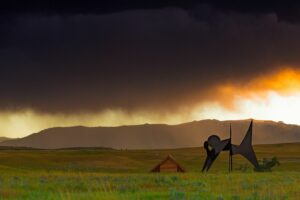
x=124 y=174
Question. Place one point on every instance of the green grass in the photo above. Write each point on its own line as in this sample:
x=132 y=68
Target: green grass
x=112 y=174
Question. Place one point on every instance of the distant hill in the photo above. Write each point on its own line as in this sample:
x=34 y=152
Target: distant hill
x=4 y=139
x=150 y=136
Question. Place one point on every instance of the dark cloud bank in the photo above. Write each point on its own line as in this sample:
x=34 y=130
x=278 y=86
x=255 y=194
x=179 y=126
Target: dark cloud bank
x=60 y=57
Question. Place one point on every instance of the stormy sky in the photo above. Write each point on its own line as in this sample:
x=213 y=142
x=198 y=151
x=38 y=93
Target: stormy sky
x=130 y=61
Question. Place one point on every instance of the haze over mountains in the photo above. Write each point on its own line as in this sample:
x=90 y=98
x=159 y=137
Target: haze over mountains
x=150 y=136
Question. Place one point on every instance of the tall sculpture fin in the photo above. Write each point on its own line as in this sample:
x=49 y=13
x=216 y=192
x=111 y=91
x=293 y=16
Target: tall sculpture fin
x=246 y=149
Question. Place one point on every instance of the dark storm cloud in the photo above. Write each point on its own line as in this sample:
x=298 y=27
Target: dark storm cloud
x=161 y=55
x=284 y=9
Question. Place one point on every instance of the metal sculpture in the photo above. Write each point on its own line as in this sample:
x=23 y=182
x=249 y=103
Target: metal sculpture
x=214 y=146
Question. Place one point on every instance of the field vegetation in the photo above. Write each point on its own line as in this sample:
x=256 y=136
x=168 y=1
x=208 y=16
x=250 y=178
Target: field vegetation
x=124 y=174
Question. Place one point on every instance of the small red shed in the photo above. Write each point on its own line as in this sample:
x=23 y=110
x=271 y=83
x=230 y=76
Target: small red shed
x=168 y=165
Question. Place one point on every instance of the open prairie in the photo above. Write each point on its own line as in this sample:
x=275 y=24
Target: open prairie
x=124 y=174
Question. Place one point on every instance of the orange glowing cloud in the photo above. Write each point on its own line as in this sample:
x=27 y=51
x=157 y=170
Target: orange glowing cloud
x=275 y=96
x=285 y=81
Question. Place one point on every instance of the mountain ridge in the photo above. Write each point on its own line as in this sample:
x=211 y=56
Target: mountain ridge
x=157 y=136
x=4 y=139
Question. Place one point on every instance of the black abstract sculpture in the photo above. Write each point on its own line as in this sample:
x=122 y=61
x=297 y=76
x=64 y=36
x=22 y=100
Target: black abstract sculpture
x=214 y=145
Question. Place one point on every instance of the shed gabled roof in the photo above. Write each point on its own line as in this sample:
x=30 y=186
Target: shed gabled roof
x=169 y=157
